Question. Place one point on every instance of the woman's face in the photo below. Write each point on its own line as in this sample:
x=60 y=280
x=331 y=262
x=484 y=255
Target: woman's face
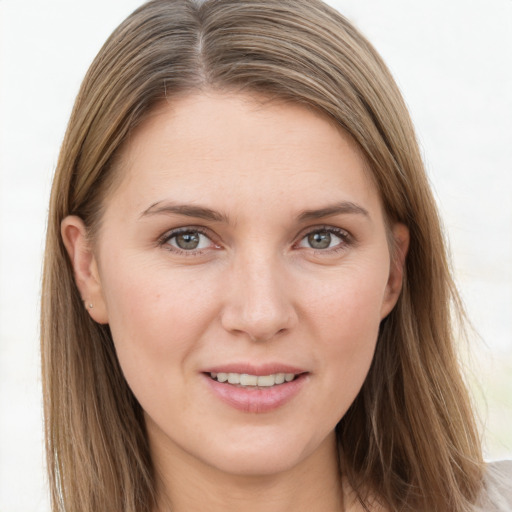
x=244 y=241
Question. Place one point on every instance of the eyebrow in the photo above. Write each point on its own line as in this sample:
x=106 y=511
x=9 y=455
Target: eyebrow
x=201 y=212
x=345 y=207
x=188 y=210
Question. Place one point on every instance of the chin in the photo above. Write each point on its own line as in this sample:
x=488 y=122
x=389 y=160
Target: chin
x=268 y=456
x=262 y=464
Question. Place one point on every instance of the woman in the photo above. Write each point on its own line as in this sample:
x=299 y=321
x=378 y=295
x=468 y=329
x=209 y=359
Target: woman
x=246 y=298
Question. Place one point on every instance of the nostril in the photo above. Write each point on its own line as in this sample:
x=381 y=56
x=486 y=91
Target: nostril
x=267 y=336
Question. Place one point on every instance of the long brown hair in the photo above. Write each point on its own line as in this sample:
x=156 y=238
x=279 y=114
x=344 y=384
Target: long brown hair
x=409 y=439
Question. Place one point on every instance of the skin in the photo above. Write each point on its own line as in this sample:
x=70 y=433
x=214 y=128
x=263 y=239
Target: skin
x=255 y=290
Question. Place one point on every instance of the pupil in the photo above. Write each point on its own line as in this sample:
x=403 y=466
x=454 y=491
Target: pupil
x=320 y=240
x=187 y=241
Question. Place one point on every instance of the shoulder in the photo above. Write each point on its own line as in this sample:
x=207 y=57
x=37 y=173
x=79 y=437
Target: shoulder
x=497 y=492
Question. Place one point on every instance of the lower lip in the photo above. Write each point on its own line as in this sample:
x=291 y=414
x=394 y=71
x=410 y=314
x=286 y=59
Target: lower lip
x=256 y=400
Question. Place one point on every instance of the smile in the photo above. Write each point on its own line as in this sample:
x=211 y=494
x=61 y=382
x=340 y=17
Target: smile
x=253 y=381
x=252 y=393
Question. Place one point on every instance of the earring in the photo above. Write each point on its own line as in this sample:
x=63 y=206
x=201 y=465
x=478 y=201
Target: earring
x=90 y=306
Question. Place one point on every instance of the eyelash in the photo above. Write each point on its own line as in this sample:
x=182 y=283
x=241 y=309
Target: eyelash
x=344 y=236
x=165 y=239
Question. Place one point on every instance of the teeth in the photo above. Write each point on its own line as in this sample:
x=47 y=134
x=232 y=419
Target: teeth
x=244 y=379
x=234 y=378
x=266 y=380
x=248 y=380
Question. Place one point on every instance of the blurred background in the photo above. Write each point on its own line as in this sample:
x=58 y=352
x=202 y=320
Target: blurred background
x=453 y=62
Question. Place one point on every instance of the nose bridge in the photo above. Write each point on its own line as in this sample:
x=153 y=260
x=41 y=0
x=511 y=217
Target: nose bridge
x=258 y=303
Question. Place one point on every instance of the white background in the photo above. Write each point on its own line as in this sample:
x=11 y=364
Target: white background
x=453 y=62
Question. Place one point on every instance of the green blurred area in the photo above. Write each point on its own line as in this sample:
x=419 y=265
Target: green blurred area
x=491 y=385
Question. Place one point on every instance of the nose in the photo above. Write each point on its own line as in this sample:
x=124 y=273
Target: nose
x=259 y=303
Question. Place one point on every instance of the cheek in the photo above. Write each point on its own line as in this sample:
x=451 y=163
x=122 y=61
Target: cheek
x=349 y=301
x=151 y=318
x=348 y=315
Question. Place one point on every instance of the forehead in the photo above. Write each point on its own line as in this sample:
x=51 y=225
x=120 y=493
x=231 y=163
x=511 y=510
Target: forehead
x=219 y=147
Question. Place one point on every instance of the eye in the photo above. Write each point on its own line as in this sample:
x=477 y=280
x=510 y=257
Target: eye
x=187 y=240
x=325 y=238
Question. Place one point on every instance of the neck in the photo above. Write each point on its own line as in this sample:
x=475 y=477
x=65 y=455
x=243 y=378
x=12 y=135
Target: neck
x=186 y=484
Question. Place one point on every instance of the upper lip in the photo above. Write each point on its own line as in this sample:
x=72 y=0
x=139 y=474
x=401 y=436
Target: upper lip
x=253 y=369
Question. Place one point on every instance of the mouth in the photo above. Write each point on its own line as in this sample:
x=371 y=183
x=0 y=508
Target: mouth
x=248 y=381
x=256 y=390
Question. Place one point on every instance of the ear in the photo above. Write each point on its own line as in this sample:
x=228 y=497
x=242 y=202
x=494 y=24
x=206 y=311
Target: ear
x=85 y=267
x=400 y=241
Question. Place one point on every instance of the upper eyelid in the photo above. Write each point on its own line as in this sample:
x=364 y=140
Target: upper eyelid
x=164 y=241
x=346 y=239
x=323 y=227
x=185 y=229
